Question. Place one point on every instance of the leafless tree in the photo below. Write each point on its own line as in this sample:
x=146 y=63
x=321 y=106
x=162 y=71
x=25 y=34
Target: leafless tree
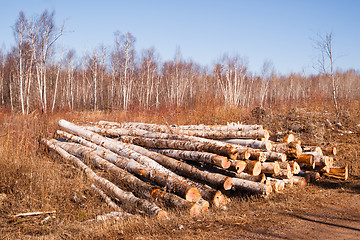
x=325 y=45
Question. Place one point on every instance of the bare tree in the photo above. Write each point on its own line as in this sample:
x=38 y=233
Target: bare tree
x=266 y=72
x=230 y=77
x=325 y=45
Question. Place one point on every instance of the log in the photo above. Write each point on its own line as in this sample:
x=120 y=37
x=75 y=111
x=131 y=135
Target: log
x=298 y=180
x=338 y=173
x=310 y=176
x=295 y=167
x=106 y=198
x=171 y=144
x=238 y=165
x=289 y=138
x=275 y=156
x=145 y=155
x=313 y=149
x=259 y=178
x=257 y=155
x=255 y=144
x=204 y=157
x=212 y=134
x=292 y=149
x=270 y=167
x=332 y=151
x=306 y=161
x=140 y=188
x=284 y=165
x=214 y=145
x=250 y=186
x=276 y=184
x=284 y=174
x=125 y=197
x=170 y=181
x=253 y=167
x=152 y=127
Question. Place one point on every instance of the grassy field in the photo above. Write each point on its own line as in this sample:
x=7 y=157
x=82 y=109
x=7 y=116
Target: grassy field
x=34 y=180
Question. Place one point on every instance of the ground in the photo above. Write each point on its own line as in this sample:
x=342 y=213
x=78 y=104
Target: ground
x=34 y=180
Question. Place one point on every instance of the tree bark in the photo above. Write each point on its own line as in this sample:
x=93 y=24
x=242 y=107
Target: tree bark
x=196 y=156
x=171 y=181
x=125 y=197
x=215 y=146
x=292 y=149
x=250 y=186
x=238 y=165
x=270 y=167
x=151 y=127
x=275 y=156
x=138 y=187
x=172 y=144
x=256 y=144
x=253 y=167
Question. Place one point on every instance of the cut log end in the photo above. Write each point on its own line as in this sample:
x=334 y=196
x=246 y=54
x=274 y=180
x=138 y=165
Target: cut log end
x=228 y=183
x=193 y=194
x=300 y=181
x=219 y=199
x=161 y=215
x=240 y=166
x=195 y=210
x=253 y=167
x=225 y=163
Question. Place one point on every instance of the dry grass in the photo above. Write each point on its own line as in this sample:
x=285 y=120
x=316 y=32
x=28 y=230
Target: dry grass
x=34 y=180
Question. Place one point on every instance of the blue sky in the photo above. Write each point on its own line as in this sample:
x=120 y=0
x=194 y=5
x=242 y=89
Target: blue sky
x=258 y=30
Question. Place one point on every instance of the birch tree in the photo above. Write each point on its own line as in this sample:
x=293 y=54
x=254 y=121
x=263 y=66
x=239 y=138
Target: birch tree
x=230 y=77
x=326 y=64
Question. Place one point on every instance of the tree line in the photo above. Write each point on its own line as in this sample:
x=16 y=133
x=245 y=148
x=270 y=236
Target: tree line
x=37 y=74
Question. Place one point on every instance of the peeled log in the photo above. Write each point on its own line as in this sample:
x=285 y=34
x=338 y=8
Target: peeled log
x=250 y=186
x=196 y=156
x=275 y=156
x=338 y=173
x=140 y=188
x=270 y=167
x=125 y=197
x=256 y=144
x=253 y=167
x=169 y=180
x=214 y=146
x=174 y=182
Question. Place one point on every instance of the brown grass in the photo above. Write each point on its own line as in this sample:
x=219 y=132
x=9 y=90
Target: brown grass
x=35 y=180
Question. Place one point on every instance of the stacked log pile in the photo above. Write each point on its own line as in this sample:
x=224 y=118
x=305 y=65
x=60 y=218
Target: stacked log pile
x=187 y=167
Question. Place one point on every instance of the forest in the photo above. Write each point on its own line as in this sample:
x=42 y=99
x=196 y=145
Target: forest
x=37 y=74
